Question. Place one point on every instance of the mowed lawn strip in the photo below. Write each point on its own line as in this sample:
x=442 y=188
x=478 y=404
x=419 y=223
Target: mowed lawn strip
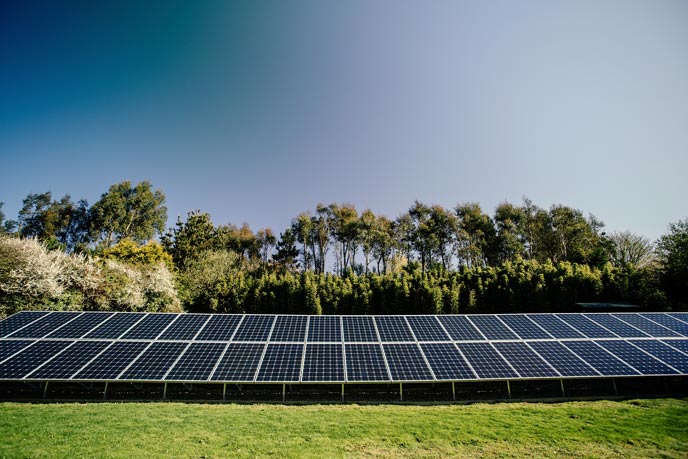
x=636 y=428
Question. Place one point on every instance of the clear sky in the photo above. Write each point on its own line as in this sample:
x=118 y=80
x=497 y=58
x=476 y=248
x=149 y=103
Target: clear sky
x=256 y=111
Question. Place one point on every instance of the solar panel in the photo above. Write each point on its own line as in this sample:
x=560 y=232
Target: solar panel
x=185 y=327
x=239 y=363
x=281 y=363
x=81 y=325
x=359 y=329
x=220 y=327
x=460 y=329
x=492 y=327
x=446 y=361
x=27 y=360
x=323 y=362
x=254 y=328
x=150 y=326
x=586 y=326
x=11 y=347
x=646 y=325
x=555 y=326
x=109 y=364
x=19 y=320
x=616 y=326
x=668 y=322
x=197 y=362
x=365 y=362
x=524 y=360
x=636 y=358
x=524 y=327
x=289 y=328
x=605 y=363
x=680 y=344
x=682 y=316
x=324 y=328
x=154 y=362
x=393 y=328
x=562 y=359
x=427 y=328
x=64 y=365
x=663 y=352
x=486 y=361
x=116 y=326
x=406 y=362
x=44 y=326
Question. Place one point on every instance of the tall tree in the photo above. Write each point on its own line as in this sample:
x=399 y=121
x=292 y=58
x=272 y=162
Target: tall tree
x=631 y=249
x=322 y=228
x=476 y=236
x=346 y=233
x=423 y=238
x=509 y=221
x=137 y=213
x=287 y=254
x=266 y=241
x=302 y=227
x=368 y=230
x=443 y=226
x=190 y=238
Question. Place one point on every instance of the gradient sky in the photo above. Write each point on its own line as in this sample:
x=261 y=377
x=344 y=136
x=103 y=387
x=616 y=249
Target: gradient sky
x=256 y=111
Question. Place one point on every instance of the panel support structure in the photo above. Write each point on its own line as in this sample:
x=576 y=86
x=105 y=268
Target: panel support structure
x=45 y=390
x=453 y=392
x=164 y=392
x=508 y=388
x=105 y=391
x=284 y=392
x=342 y=392
x=401 y=392
x=224 y=392
x=563 y=391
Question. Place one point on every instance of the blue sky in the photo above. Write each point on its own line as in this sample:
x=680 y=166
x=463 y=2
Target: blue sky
x=256 y=111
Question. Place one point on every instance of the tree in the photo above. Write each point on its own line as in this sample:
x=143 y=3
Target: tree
x=442 y=224
x=302 y=227
x=322 y=228
x=346 y=233
x=423 y=238
x=476 y=236
x=137 y=213
x=287 y=254
x=148 y=255
x=631 y=249
x=509 y=220
x=191 y=238
x=266 y=241
x=672 y=250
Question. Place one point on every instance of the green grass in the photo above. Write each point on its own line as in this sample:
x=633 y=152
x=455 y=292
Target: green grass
x=628 y=429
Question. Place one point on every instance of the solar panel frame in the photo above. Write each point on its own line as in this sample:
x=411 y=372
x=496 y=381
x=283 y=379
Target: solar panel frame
x=586 y=326
x=119 y=324
x=239 y=363
x=323 y=362
x=393 y=329
x=185 y=327
x=44 y=327
x=486 y=361
x=606 y=363
x=555 y=326
x=616 y=326
x=524 y=327
x=220 y=327
x=562 y=359
x=112 y=361
x=648 y=326
x=523 y=359
x=427 y=328
x=492 y=328
x=154 y=362
x=359 y=329
x=81 y=325
x=282 y=362
x=254 y=328
x=460 y=328
x=68 y=362
x=406 y=362
x=197 y=362
x=365 y=362
x=323 y=329
x=636 y=358
x=446 y=362
x=667 y=354
x=31 y=357
x=150 y=327
x=668 y=322
x=289 y=329
x=8 y=348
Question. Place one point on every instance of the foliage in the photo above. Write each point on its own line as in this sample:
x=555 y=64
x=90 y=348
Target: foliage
x=149 y=254
x=583 y=429
x=672 y=249
x=137 y=213
x=631 y=249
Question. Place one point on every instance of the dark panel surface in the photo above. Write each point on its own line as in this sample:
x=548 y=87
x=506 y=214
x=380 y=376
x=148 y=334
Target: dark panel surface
x=446 y=361
x=364 y=362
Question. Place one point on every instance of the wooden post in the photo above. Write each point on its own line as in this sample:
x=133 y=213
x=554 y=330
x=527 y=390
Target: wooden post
x=224 y=392
x=401 y=392
x=284 y=392
x=616 y=392
x=508 y=388
x=342 y=392
x=105 y=391
x=45 y=390
x=453 y=392
x=164 y=392
x=563 y=392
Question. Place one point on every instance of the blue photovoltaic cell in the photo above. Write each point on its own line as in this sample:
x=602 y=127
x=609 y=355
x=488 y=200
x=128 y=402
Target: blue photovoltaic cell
x=460 y=329
x=11 y=347
x=197 y=362
x=646 y=325
x=324 y=328
x=393 y=328
x=323 y=362
x=254 y=328
x=524 y=327
x=603 y=362
x=668 y=321
x=19 y=320
x=112 y=361
x=680 y=344
x=364 y=362
x=70 y=361
x=281 y=363
x=427 y=328
x=486 y=362
x=150 y=327
x=682 y=316
x=492 y=327
x=562 y=359
x=406 y=362
x=446 y=361
x=636 y=358
x=240 y=362
x=81 y=325
x=220 y=327
x=586 y=326
x=289 y=328
x=29 y=359
x=554 y=326
x=617 y=326
x=116 y=326
x=185 y=327
x=526 y=362
x=359 y=329
x=44 y=326
x=154 y=362
x=665 y=353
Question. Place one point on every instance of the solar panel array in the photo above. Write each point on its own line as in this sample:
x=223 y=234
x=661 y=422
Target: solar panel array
x=140 y=347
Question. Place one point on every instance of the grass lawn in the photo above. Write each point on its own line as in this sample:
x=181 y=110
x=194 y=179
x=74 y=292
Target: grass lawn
x=629 y=429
